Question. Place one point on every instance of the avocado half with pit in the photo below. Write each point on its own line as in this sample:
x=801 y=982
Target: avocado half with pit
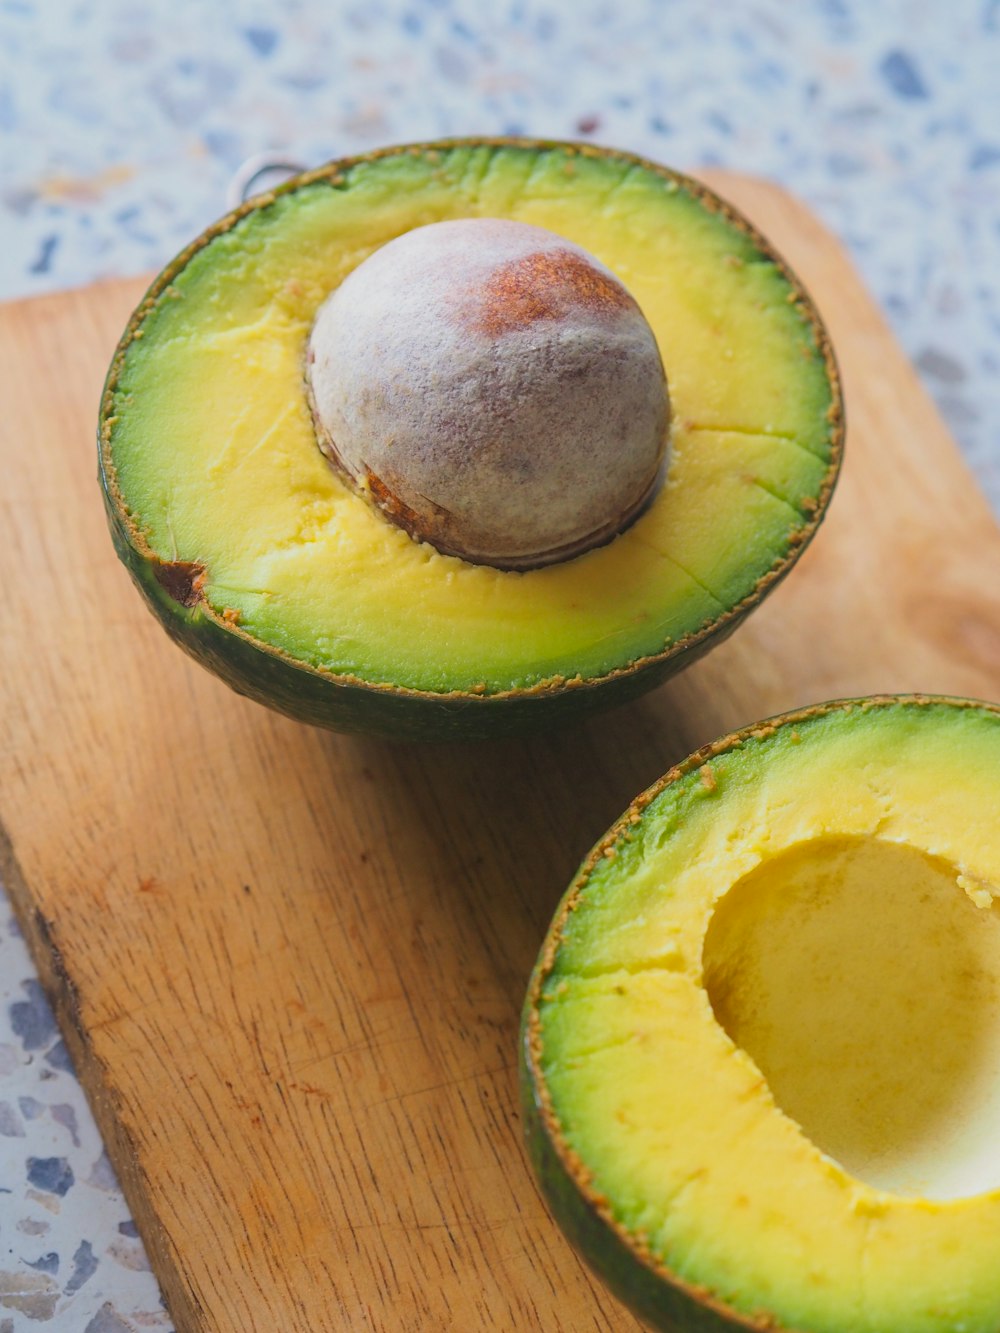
x=277 y=571
x=761 y=1047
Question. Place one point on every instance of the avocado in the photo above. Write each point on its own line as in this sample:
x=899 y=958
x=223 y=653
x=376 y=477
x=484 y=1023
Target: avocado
x=265 y=562
x=761 y=1045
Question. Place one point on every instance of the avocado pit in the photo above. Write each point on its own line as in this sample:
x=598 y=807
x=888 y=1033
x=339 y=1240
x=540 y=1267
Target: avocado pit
x=492 y=389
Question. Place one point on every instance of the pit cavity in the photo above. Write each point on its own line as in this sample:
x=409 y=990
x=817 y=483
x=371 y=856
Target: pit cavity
x=863 y=977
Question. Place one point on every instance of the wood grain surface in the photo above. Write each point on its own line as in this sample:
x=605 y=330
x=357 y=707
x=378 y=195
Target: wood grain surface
x=289 y=964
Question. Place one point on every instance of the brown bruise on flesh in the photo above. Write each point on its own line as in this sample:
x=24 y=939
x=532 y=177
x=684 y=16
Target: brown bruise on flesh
x=544 y=286
x=182 y=580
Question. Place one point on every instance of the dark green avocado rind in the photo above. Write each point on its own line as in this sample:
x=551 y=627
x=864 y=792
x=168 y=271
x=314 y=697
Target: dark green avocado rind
x=311 y=694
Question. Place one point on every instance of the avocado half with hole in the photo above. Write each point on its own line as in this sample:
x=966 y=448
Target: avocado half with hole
x=761 y=1046
x=275 y=569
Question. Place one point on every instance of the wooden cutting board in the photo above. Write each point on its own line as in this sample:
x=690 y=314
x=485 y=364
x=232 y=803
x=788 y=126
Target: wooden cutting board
x=289 y=964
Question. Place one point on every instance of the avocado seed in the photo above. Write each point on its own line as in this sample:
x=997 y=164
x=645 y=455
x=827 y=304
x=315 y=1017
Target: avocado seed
x=493 y=389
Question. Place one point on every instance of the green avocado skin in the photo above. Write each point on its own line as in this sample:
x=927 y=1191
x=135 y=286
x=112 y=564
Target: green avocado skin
x=324 y=700
x=660 y=1303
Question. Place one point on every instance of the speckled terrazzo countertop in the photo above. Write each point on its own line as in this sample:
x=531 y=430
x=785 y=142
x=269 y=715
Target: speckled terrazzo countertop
x=122 y=124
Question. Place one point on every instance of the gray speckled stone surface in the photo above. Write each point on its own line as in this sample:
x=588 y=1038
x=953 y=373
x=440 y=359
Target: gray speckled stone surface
x=122 y=123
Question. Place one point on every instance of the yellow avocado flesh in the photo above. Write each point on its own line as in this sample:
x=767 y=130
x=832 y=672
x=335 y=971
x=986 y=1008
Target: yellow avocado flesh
x=215 y=456
x=770 y=1033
